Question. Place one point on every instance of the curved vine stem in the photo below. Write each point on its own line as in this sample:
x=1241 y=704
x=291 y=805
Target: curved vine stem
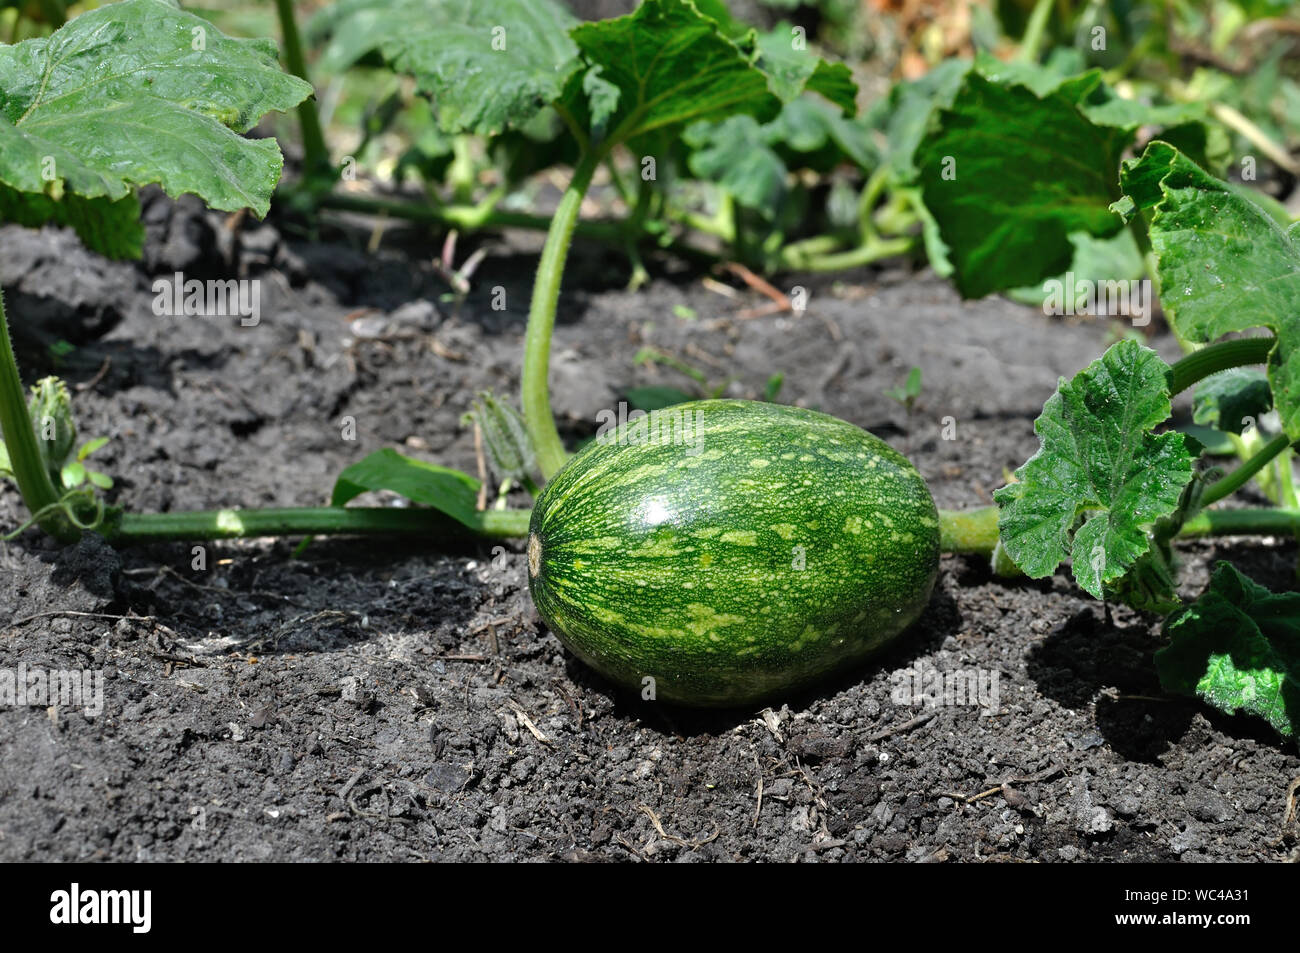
x=1221 y=356
x=1032 y=41
x=541 y=321
x=1238 y=477
x=313 y=138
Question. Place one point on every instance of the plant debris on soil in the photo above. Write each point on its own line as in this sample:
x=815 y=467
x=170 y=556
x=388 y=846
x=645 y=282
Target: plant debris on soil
x=367 y=700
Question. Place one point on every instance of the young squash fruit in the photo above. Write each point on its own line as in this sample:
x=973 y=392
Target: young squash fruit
x=731 y=550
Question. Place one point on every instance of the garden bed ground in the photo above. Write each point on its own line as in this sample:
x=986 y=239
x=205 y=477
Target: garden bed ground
x=373 y=701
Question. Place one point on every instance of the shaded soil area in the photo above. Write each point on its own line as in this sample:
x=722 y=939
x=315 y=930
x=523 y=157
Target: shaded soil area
x=373 y=701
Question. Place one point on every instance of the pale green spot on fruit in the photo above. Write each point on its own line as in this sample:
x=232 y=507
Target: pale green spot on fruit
x=784 y=530
x=760 y=462
x=608 y=616
x=657 y=548
x=596 y=544
x=854 y=525
x=739 y=537
x=705 y=620
x=707 y=532
x=645 y=472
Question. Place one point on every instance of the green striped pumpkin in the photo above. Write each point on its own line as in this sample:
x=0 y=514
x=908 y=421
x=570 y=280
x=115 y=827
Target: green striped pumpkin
x=726 y=552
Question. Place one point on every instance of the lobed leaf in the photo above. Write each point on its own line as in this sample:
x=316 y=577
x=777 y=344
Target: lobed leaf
x=1100 y=479
x=734 y=154
x=792 y=69
x=902 y=116
x=487 y=65
x=1224 y=263
x=674 y=65
x=133 y=93
x=1008 y=175
x=1237 y=647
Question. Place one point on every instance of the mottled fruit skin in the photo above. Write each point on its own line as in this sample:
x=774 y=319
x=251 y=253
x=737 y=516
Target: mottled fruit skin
x=731 y=550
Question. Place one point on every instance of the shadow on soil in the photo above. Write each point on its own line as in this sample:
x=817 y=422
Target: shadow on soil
x=937 y=623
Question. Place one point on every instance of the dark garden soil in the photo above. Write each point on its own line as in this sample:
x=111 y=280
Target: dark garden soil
x=375 y=701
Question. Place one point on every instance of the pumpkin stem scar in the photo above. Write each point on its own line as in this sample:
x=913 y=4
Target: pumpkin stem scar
x=534 y=555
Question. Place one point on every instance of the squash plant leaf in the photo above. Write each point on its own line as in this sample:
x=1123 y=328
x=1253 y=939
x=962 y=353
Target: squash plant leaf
x=1100 y=479
x=734 y=154
x=791 y=68
x=820 y=137
x=446 y=490
x=487 y=65
x=674 y=65
x=1224 y=263
x=1231 y=400
x=1237 y=647
x=902 y=116
x=754 y=161
x=133 y=93
x=1008 y=175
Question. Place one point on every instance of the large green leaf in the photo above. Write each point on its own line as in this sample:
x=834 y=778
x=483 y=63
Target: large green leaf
x=1087 y=90
x=1224 y=263
x=754 y=161
x=1238 y=648
x=449 y=491
x=1009 y=175
x=672 y=65
x=1101 y=479
x=735 y=154
x=792 y=69
x=487 y=64
x=903 y=115
x=132 y=93
x=816 y=135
